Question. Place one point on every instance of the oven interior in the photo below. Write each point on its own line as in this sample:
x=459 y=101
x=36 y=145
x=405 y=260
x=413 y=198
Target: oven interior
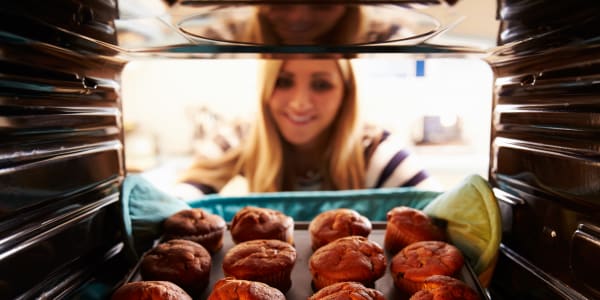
x=63 y=150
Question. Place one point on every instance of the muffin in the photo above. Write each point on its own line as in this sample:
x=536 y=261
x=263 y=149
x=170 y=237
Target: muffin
x=163 y=290
x=348 y=291
x=267 y=261
x=407 y=225
x=182 y=262
x=198 y=226
x=231 y=288
x=334 y=224
x=417 y=261
x=440 y=287
x=255 y=223
x=351 y=258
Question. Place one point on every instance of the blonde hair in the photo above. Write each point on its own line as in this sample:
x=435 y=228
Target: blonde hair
x=346 y=30
x=261 y=158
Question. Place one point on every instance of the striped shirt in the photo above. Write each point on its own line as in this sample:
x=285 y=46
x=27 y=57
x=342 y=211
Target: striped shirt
x=389 y=164
x=392 y=165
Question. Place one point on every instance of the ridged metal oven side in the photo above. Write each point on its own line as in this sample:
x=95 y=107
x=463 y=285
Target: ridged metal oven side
x=61 y=155
x=545 y=149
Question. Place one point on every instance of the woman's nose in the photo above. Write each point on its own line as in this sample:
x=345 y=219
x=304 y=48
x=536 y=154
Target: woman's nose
x=300 y=100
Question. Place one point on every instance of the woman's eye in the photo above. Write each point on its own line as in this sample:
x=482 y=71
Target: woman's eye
x=284 y=82
x=321 y=85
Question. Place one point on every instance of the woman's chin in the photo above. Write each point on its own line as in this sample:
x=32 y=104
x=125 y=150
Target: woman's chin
x=300 y=142
x=298 y=39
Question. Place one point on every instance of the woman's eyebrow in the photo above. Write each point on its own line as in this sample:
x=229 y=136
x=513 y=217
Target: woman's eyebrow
x=322 y=74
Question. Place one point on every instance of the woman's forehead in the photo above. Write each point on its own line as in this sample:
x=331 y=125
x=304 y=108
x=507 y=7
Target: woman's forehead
x=311 y=66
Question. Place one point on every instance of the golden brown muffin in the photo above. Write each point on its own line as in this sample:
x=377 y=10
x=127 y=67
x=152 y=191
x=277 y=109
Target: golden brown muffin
x=183 y=262
x=255 y=223
x=351 y=258
x=334 y=224
x=417 y=261
x=198 y=226
x=230 y=288
x=407 y=225
x=440 y=287
x=347 y=291
x=150 y=290
x=267 y=261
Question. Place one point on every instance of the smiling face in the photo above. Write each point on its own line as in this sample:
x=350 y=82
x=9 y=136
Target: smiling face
x=302 y=24
x=306 y=100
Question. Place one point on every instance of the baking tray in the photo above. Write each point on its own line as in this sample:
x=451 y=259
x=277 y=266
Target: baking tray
x=301 y=287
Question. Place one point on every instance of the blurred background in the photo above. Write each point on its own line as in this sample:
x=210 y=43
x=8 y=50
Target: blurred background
x=440 y=106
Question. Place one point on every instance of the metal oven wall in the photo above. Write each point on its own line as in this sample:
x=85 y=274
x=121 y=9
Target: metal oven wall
x=545 y=159
x=61 y=149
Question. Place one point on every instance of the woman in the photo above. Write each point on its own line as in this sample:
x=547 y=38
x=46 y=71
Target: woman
x=304 y=24
x=286 y=24
x=308 y=136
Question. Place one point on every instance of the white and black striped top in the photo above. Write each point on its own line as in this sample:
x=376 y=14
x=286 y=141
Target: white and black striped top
x=389 y=164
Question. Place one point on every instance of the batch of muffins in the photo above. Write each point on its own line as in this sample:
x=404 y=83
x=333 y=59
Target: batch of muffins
x=344 y=263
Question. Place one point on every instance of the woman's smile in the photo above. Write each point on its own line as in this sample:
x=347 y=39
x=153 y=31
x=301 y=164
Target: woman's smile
x=300 y=119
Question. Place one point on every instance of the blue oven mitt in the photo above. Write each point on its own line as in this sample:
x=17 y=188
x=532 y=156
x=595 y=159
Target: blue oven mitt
x=305 y=205
x=144 y=209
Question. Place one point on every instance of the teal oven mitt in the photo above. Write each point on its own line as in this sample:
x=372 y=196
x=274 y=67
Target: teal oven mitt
x=305 y=205
x=144 y=208
x=474 y=222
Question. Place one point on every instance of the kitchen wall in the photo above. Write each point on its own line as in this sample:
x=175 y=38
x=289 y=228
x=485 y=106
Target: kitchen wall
x=161 y=96
x=449 y=88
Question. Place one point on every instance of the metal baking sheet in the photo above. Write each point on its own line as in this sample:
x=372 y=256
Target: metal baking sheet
x=301 y=279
